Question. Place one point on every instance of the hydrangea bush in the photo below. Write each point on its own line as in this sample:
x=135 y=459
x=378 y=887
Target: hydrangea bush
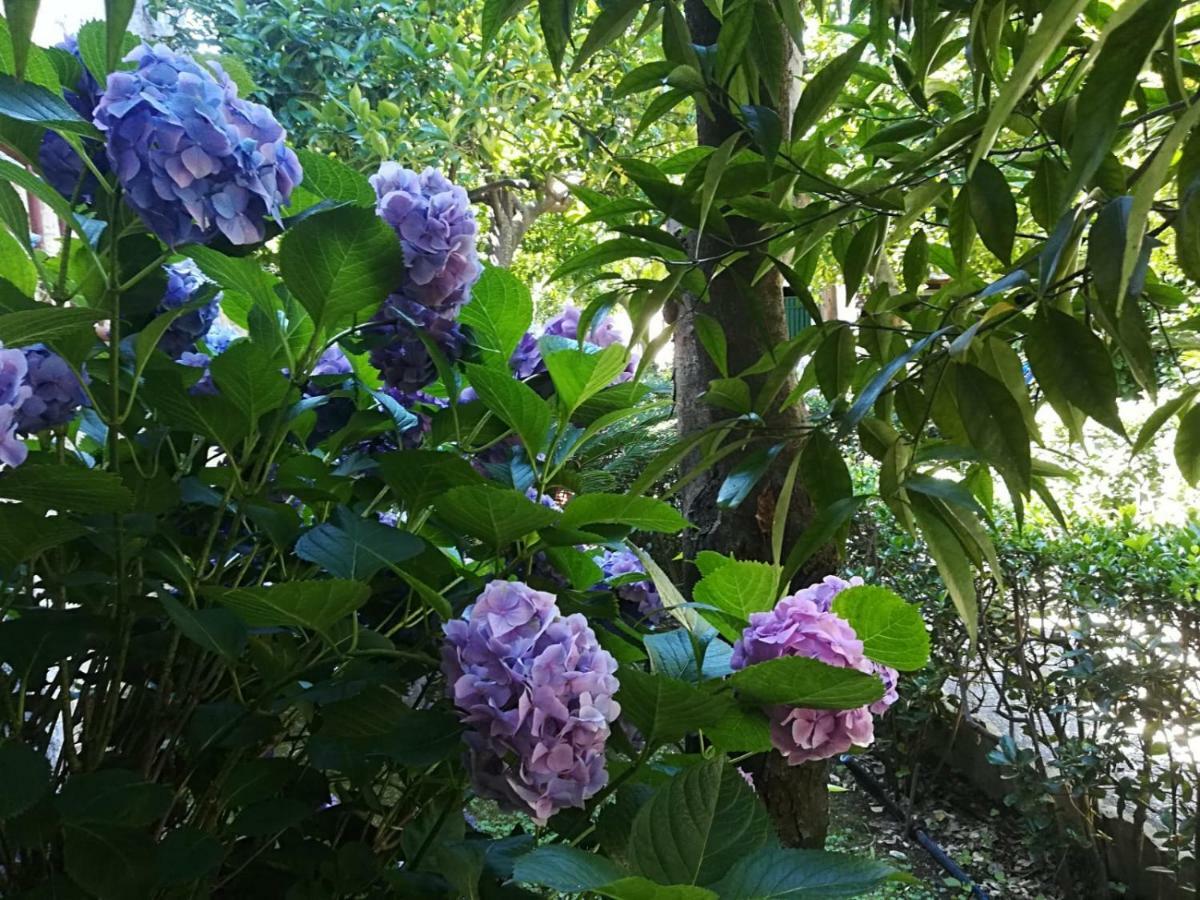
x=303 y=561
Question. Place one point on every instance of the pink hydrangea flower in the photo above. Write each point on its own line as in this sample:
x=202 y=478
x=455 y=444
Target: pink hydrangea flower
x=803 y=625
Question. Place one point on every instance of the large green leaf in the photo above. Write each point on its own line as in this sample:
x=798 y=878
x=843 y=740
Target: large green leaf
x=110 y=862
x=66 y=488
x=1108 y=86
x=243 y=274
x=328 y=178
x=304 y=604
x=112 y=797
x=993 y=209
x=24 y=778
x=697 y=826
x=808 y=683
x=514 y=402
x=117 y=14
x=32 y=326
x=249 y=377
x=341 y=263
x=738 y=589
x=579 y=374
x=950 y=557
x=994 y=423
x=494 y=515
x=418 y=477
x=892 y=631
x=1187 y=446
x=609 y=25
x=640 y=513
x=775 y=873
x=216 y=630
x=356 y=548
x=824 y=88
x=28 y=102
x=499 y=313
x=566 y=869
x=1069 y=360
x=664 y=709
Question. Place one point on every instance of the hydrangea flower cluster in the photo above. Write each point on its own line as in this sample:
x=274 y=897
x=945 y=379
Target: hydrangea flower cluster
x=55 y=393
x=13 y=394
x=437 y=230
x=203 y=386
x=802 y=624
x=61 y=166
x=195 y=161
x=617 y=563
x=184 y=282
x=401 y=357
x=537 y=691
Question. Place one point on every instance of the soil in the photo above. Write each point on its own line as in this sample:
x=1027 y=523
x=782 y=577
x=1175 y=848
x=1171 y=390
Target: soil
x=982 y=838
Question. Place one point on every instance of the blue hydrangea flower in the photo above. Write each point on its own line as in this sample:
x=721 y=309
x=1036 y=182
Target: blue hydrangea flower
x=55 y=393
x=184 y=282
x=536 y=691
x=204 y=385
x=61 y=166
x=400 y=355
x=616 y=564
x=195 y=161
x=14 y=391
x=223 y=332
x=437 y=230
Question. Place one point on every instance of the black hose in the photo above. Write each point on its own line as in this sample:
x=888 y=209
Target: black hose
x=875 y=789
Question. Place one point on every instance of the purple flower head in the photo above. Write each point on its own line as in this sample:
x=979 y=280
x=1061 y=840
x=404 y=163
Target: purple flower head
x=437 y=230
x=184 y=282
x=204 y=386
x=55 y=393
x=14 y=367
x=61 y=165
x=536 y=690
x=617 y=563
x=333 y=414
x=603 y=333
x=332 y=362
x=802 y=625
x=400 y=355
x=526 y=360
x=544 y=499
x=194 y=160
x=13 y=451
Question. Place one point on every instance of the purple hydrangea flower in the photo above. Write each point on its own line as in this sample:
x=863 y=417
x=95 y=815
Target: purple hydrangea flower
x=204 y=386
x=223 y=332
x=61 y=166
x=421 y=405
x=194 y=160
x=55 y=393
x=616 y=563
x=184 y=282
x=544 y=499
x=437 y=230
x=802 y=625
x=400 y=355
x=333 y=414
x=14 y=391
x=526 y=360
x=537 y=691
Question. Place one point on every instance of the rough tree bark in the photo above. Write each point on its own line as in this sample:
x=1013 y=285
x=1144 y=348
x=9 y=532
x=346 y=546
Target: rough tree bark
x=754 y=321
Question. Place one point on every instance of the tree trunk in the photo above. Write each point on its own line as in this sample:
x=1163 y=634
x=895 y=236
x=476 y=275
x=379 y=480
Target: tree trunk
x=754 y=321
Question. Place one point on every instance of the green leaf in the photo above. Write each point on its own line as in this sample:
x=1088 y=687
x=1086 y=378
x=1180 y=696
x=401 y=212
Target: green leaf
x=328 y=178
x=1070 y=361
x=305 y=604
x=495 y=14
x=243 y=274
x=664 y=709
x=643 y=78
x=1154 y=422
x=1056 y=21
x=187 y=854
x=916 y=262
x=775 y=873
x=824 y=88
x=1047 y=191
x=117 y=14
x=20 y=14
x=356 y=548
x=638 y=888
x=45 y=325
x=341 y=263
x=639 y=513
x=717 y=164
x=565 y=869
x=493 y=515
x=216 y=630
x=993 y=210
x=579 y=374
x=614 y=251
x=112 y=797
x=1187 y=446
x=697 y=826
x=25 y=532
x=24 y=778
x=860 y=253
x=250 y=378
x=110 y=862
x=865 y=401
x=892 y=631
x=1109 y=85
x=994 y=423
x=499 y=313
x=712 y=338
x=808 y=683
x=29 y=102
x=739 y=588
x=742 y=478
x=515 y=403
x=65 y=488
x=610 y=24
x=834 y=362
x=951 y=559
x=418 y=477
